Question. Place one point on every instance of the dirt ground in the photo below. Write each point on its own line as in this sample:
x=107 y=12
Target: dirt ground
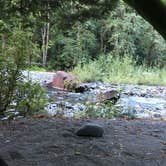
x=52 y=142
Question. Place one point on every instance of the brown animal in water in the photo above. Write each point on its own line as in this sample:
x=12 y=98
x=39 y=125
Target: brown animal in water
x=64 y=81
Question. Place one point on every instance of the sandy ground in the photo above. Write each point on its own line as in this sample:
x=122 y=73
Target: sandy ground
x=52 y=142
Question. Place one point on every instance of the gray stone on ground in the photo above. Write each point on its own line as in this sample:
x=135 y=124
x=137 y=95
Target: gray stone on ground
x=90 y=130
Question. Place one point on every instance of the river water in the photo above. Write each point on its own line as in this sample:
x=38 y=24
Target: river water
x=139 y=101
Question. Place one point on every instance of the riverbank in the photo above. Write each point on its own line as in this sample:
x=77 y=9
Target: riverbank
x=53 y=142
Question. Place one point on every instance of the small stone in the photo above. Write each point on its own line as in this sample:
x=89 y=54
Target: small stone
x=90 y=130
x=157 y=116
x=7 y=141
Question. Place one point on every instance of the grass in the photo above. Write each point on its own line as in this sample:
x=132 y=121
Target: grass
x=36 y=68
x=114 y=70
x=88 y=73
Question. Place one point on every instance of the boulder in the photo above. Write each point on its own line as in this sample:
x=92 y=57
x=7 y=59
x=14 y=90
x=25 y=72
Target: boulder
x=90 y=130
x=111 y=95
x=82 y=89
x=64 y=81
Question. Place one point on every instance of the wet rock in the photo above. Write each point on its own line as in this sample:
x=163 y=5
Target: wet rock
x=51 y=109
x=112 y=95
x=82 y=89
x=75 y=96
x=157 y=115
x=68 y=105
x=90 y=130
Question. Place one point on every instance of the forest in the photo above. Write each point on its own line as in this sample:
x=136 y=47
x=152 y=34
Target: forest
x=74 y=70
x=64 y=34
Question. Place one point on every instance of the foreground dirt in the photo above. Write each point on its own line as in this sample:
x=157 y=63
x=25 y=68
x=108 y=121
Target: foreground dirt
x=52 y=142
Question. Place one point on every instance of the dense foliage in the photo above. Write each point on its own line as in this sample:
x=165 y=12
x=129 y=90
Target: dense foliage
x=69 y=33
x=122 y=32
x=17 y=51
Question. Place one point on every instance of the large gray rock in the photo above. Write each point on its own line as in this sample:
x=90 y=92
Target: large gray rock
x=90 y=130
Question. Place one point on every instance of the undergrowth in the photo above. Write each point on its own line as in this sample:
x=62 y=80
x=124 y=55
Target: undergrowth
x=36 y=68
x=115 y=70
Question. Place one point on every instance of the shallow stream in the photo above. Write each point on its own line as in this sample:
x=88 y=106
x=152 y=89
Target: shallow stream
x=137 y=100
x=140 y=101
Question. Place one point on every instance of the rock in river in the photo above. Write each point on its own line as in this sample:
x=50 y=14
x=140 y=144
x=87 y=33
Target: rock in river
x=90 y=130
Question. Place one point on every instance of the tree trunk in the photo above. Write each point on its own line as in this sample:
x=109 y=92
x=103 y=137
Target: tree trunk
x=150 y=54
x=45 y=39
x=3 y=44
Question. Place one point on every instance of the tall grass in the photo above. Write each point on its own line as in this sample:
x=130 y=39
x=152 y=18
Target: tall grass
x=88 y=72
x=36 y=68
x=115 y=70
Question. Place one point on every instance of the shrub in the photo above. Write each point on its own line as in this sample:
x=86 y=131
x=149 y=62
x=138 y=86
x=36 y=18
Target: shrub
x=9 y=76
x=30 y=98
x=14 y=55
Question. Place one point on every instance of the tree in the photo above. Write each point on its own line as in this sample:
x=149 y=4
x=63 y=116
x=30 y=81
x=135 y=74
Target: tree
x=125 y=32
x=13 y=59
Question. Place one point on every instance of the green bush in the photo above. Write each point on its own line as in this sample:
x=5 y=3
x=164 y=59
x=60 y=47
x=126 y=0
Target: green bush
x=14 y=54
x=98 y=109
x=9 y=76
x=30 y=99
